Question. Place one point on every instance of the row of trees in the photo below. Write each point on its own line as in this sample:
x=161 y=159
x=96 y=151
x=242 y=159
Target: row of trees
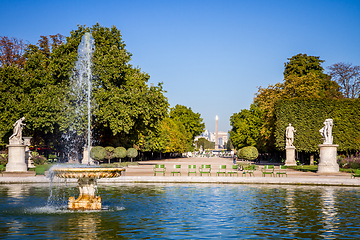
x=304 y=80
x=35 y=81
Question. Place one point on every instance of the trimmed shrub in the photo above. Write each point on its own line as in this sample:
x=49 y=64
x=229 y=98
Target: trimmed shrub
x=120 y=152
x=248 y=153
x=39 y=160
x=98 y=153
x=131 y=153
x=109 y=153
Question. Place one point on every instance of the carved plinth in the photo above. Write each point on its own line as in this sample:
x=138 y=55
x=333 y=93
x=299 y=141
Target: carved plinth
x=16 y=159
x=328 y=159
x=87 y=185
x=290 y=156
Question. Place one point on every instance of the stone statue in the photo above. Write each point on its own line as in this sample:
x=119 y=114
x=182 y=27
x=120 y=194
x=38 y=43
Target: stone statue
x=16 y=137
x=290 y=135
x=326 y=131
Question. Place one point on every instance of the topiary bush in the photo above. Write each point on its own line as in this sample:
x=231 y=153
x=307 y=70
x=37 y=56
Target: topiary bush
x=131 y=153
x=248 y=153
x=120 y=152
x=98 y=153
x=109 y=153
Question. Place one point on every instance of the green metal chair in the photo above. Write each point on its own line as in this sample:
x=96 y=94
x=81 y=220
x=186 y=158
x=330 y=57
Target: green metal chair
x=282 y=171
x=191 y=169
x=249 y=170
x=177 y=170
x=222 y=170
x=206 y=169
x=268 y=169
x=356 y=174
x=159 y=168
x=234 y=170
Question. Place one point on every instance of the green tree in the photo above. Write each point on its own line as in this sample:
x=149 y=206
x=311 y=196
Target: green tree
x=110 y=153
x=98 y=153
x=246 y=127
x=304 y=77
x=131 y=153
x=192 y=122
x=120 y=152
x=205 y=144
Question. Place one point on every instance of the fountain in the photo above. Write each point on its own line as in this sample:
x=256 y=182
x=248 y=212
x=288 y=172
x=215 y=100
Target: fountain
x=87 y=184
x=86 y=176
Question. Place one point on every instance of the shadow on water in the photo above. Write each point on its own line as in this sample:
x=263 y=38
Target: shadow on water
x=183 y=211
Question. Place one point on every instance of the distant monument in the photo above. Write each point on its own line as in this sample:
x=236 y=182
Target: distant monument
x=216 y=133
x=16 y=159
x=290 y=148
x=328 y=150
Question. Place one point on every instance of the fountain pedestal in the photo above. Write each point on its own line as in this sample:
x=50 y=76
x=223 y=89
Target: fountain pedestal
x=87 y=185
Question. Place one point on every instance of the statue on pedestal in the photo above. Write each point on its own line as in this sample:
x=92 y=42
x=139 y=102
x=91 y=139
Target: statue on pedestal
x=16 y=137
x=326 y=131
x=290 y=135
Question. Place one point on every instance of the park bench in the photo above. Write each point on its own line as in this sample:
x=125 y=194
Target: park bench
x=206 y=169
x=356 y=174
x=282 y=171
x=191 y=169
x=234 y=170
x=249 y=170
x=177 y=170
x=159 y=168
x=222 y=170
x=268 y=169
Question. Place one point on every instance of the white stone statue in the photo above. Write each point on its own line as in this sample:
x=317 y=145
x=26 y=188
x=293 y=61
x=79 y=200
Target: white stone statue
x=290 y=135
x=16 y=137
x=326 y=131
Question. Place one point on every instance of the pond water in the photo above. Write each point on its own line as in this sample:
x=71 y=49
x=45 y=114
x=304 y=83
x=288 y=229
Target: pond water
x=182 y=211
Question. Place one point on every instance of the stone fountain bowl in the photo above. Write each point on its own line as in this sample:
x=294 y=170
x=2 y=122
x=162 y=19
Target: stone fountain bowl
x=88 y=172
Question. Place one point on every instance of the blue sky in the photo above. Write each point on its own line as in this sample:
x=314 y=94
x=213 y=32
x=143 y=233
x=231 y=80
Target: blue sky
x=210 y=55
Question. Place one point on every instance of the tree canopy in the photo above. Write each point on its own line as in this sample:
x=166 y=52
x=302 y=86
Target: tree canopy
x=348 y=77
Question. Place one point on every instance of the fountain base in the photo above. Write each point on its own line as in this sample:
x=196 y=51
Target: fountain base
x=87 y=185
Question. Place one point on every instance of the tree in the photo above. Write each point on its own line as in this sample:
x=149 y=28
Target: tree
x=171 y=137
x=98 y=153
x=131 y=153
x=109 y=153
x=304 y=77
x=302 y=64
x=192 y=122
x=11 y=52
x=205 y=144
x=348 y=77
x=120 y=152
x=246 y=127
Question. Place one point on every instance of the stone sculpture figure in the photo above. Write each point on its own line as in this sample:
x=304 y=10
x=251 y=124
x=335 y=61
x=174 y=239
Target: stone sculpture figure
x=290 y=135
x=326 y=131
x=16 y=137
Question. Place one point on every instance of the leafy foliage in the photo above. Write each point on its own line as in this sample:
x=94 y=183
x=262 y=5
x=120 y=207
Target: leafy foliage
x=98 y=153
x=120 y=152
x=205 y=144
x=246 y=127
x=110 y=153
x=131 y=153
x=192 y=122
x=248 y=153
x=307 y=117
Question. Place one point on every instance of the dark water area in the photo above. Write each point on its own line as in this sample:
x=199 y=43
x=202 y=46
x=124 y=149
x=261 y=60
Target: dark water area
x=182 y=211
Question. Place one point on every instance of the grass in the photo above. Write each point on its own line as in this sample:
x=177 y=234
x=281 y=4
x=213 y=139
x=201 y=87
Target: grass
x=313 y=168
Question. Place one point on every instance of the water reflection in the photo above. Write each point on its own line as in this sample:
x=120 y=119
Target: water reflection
x=185 y=211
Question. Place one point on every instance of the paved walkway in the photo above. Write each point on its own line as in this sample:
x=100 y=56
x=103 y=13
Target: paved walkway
x=143 y=173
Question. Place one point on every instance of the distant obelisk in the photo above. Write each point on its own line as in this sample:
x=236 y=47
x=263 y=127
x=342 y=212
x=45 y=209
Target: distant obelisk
x=216 y=133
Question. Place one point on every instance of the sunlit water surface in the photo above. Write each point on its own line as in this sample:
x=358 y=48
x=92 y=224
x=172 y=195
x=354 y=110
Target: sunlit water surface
x=182 y=211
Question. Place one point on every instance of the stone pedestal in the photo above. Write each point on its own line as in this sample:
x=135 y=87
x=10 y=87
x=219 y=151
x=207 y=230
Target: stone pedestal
x=290 y=156
x=28 y=161
x=85 y=159
x=328 y=159
x=16 y=161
